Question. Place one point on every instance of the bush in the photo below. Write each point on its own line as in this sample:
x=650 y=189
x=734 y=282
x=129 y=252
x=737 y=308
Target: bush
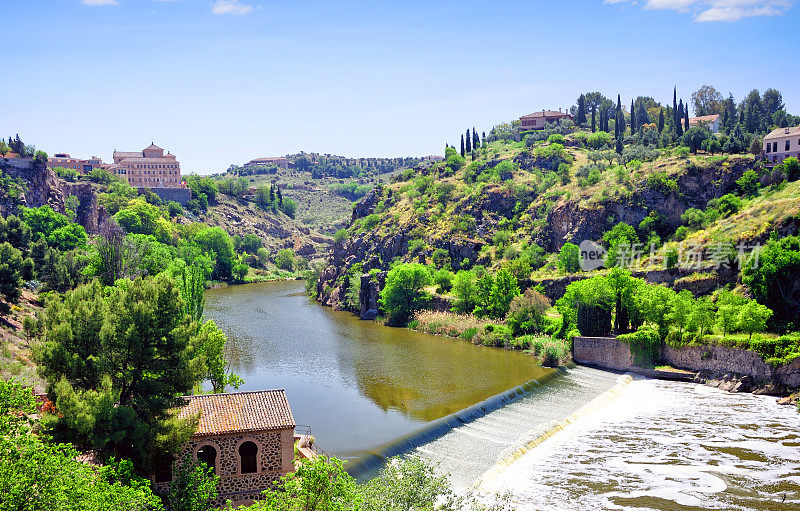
x=174 y=208
x=599 y=140
x=727 y=205
x=444 y=280
x=661 y=182
x=404 y=292
x=526 y=313
x=645 y=345
x=284 y=260
x=371 y=221
x=339 y=236
x=556 y=138
x=569 y=258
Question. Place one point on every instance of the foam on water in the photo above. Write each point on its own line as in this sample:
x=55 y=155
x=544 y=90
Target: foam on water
x=664 y=445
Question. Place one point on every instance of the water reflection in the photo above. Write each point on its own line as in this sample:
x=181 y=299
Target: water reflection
x=358 y=384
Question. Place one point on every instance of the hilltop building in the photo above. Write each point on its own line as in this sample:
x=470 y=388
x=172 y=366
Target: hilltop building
x=280 y=161
x=246 y=437
x=712 y=122
x=148 y=168
x=539 y=120
x=781 y=143
x=68 y=162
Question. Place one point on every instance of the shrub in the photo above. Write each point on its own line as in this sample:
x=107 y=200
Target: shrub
x=444 y=280
x=551 y=156
x=661 y=182
x=556 y=138
x=371 y=221
x=599 y=140
x=645 y=345
x=727 y=205
x=526 y=312
x=404 y=292
x=339 y=236
x=681 y=152
x=285 y=259
x=748 y=183
x=569 y=258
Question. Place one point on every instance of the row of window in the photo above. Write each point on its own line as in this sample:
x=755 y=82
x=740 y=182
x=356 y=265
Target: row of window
x=773 y=147
x=155 y=166
x=208 y=454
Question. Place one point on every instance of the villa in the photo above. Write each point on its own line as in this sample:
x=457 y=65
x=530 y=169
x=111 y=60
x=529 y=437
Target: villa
x=280 y=161
x=539 y=120
x=781 y=143
x=148 y=168
x=712 y=122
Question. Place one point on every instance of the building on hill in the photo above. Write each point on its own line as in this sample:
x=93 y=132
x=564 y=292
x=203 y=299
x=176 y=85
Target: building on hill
x=148 y=168
x=539 y=120
x=280 y=161
x=781 y=143
x=247 y=438
x=68 y=162
x=710 y=121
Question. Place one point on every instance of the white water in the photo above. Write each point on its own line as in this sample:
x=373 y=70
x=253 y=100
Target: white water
x=667 y=446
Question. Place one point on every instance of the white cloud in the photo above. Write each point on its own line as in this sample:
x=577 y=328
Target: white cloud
x=231 y=7
x=99 y=2
x=718 y=10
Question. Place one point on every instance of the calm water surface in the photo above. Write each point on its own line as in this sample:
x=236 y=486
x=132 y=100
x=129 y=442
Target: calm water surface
x=356 y=383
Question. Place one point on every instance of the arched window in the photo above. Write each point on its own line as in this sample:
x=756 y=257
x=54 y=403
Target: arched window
x=248 y=458
x=208 y=455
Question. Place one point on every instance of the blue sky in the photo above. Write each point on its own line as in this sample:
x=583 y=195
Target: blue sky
x=220 y=82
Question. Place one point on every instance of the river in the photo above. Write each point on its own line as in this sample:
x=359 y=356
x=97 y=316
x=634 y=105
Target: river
x=358 y=384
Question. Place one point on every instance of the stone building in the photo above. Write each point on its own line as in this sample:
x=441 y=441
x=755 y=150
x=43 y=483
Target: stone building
x=781 y=143
x=279 y=161
x=80 y=165
x=712 y=122
x=539 y=120
x=148 y=168
x=246 y=437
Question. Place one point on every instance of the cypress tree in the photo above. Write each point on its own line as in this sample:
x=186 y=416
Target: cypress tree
x=462 y=146
x=469 y=143
x=616 y=118
x=594 y=126
x=686 y=116
x=661 y=120
x=580 y=117
x=476 y=142
x=678 y=115
x=634 y=125
x=619 y=146
x=483 y=136
x=675 y=112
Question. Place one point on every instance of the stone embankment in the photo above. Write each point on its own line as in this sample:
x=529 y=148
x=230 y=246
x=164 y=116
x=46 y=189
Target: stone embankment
x=731 y=369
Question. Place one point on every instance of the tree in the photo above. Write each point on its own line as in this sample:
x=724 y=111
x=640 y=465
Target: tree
x=678 y=119
x=655 y=302
x=773 y=279
x=580 y=117
x=569 y=258
x=216 y=243
x=587 y=304
x=504 y=290
x=681 y=309
x=191 y=284
x=526 y=312
x=753 y=317
x=319 y=484
x=702 y=316
x=116 y=256
x=476 y=141
x=634 y=124
x=10 y=274
x=772 y=101
x=404 y=292
x=661 y=120
x=706 y=101
x=695 y=136
x=465 y=291
x=17 y=232
x=484 y=285
x=468 y=143
x=117 y=361
x=686 y=118
x=463 y=153
x=594 y=123
x=284 y=260
x=621 y=234
x=193 y=488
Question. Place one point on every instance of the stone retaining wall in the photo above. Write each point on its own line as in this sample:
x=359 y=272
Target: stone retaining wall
x=611 y=353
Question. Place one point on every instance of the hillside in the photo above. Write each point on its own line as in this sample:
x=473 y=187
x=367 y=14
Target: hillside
x=522 y=202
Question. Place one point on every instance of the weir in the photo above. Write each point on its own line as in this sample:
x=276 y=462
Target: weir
x=468 y=442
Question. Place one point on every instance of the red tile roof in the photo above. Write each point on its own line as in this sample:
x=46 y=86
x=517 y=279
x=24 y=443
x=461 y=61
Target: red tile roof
x=703 y=118
x=546 y=113
x=783 y=132
x=239 y=412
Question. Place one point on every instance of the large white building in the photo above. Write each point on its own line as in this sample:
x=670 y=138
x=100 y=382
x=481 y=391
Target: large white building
x=148 y=168
x=781 y=143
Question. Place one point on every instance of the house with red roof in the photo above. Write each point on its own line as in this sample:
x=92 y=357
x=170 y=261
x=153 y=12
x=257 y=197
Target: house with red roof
x=540 y=120
x=247 y=438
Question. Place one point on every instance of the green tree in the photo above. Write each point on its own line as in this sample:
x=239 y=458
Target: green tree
x=484 y=287
x=504 y=290
x=404 y=292
x=702 y=316
x=320 y=484
x=660 y=120
x=191 y=281
x=753 y=317
x=621 y=234
x=526 y=313
x=443 y=278
x=706 y=101
x=465 y=291
x=772 y=278
x=216 y=242
x=117 y=360
x=285 y=259
x=681 y=308
x=580 y=117
x=569 y=258
x=10 y=274
x=17 y=232
x=193 y=487
x=115 y=255
x=655 y=302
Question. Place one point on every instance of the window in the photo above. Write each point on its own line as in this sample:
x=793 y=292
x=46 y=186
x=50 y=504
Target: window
x=248 y=458
x=774 y=147
x=769 y=147
x=208 y=455
x=163 y=472
x=788 y=144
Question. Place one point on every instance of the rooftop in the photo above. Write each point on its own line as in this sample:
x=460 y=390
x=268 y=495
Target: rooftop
x=703 y=118
x=783 y=132
x=239 y=412
x=545 y=113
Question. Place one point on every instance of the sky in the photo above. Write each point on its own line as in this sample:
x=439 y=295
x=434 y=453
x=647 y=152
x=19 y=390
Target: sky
x=219 y=82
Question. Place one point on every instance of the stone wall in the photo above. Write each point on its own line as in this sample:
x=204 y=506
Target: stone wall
x=604 y=352
x=275 y=459
x=610 y=353
x=179 y=195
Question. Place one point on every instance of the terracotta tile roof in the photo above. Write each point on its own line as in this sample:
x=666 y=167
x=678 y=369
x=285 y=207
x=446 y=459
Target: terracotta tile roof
x=703 y=118
x=783 y=132
x=152 y=146
x=239 y=412
x=128 y=154
x=546 y=113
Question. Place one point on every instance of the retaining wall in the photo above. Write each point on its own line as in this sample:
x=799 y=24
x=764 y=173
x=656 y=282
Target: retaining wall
x=611 y=353
x=179 y=195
